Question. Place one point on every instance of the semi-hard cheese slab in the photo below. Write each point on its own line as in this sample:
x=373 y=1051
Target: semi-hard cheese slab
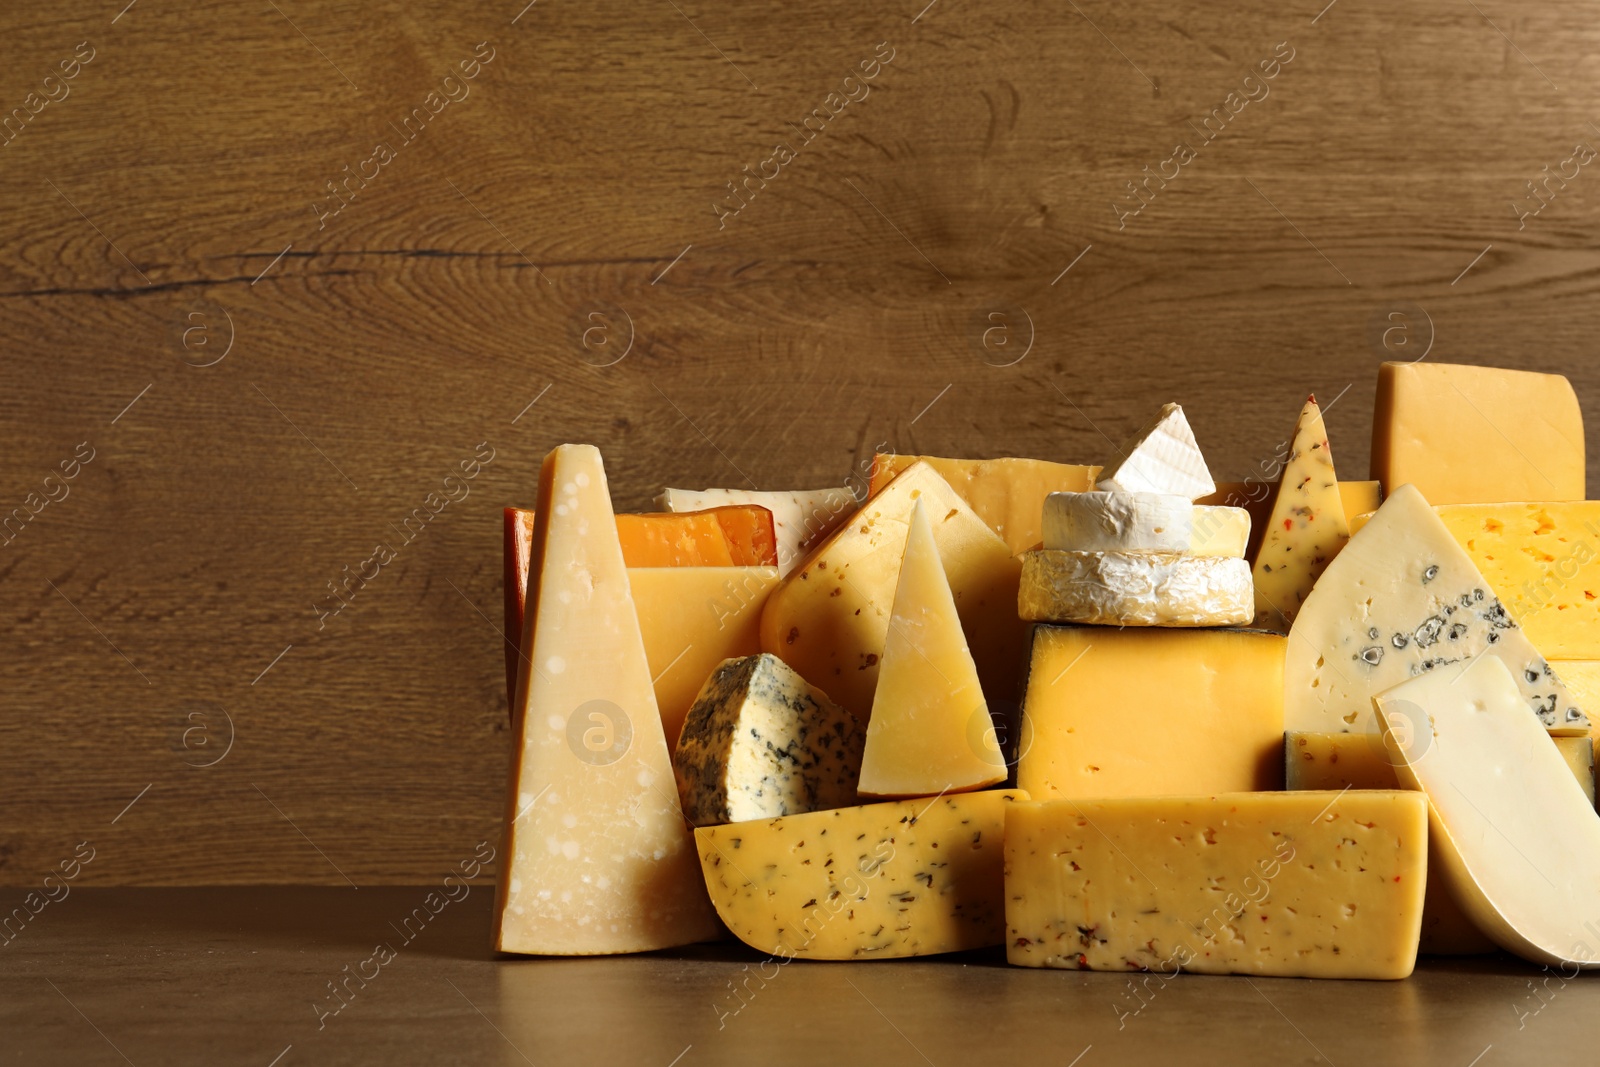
x=597 y=856
x=1519 y=840
x=930 y=730
x=1295 y=885
x=1142 y=522
x=1142 y=712
x=1161 y=458
x=829 y=620
x=881 y=881
x=1135 y=589
x=801 y=519
x=1307 y=527
x=1543 y=561
x=1466 y=435
x=1363 y=761
x=1403 y=599
x=760 y=742
x=1006 y=493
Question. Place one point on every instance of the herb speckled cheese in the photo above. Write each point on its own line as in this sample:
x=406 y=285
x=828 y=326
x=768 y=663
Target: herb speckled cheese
x=1135 y=589
x=1307 y=528
x=904 y=878
x=761 y=742
x=1303 y=885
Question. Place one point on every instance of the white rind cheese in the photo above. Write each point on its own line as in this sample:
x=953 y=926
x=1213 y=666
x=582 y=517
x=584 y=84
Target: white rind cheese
x=1135 y=589
x=1519 y=839
x=1102 y=521
x=1401 y=599
x=761 y=742
x=801 y=520
x=1161 y=458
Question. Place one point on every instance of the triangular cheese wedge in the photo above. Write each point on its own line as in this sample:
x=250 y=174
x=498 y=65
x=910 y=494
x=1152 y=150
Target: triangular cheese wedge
x=930 y=731
x=1161 y=458
x=597 y=856
x=1403 y=598
x=1519 y=840
x=1307 y=528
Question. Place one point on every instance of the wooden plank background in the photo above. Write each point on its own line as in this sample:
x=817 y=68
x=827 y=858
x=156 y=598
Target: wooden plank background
x=558 y=212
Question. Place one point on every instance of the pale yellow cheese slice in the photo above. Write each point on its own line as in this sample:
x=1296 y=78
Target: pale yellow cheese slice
x=930 y=731
x=597 y=856
x=1006 y=493
x=1307 y=527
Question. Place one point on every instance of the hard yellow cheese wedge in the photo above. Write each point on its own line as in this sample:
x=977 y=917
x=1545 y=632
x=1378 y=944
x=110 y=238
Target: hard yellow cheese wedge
x=1519 y=840
x=597 y=856
x=921 y=738
x=1304 y=885
x=905 y=878
x=800 y=519
x=829 y=619
x=1307 y=527
x=1008 y=493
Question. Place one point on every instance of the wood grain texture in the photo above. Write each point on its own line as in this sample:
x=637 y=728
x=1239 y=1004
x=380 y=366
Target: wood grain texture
x=573 y=189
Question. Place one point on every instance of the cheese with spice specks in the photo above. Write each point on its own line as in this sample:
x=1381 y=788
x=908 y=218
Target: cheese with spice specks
x=760 y=742
x=882 y=881
x=1307 y=528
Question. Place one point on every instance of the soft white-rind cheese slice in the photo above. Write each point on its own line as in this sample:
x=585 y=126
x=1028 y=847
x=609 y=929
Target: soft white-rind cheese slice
x=801 y=519
x=1161 y=458
x=1101 y=521
x=1519 y=839
x=761 y=742
x=1135 y=589
x=1401 y=599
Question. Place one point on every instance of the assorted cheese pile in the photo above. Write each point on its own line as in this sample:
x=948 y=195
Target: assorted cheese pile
x=1115 y=717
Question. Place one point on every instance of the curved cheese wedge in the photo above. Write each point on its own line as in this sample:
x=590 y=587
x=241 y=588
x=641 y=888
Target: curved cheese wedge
x=1135 y=589
x=906 y=878
x=1402 y=599
x=1520 y=841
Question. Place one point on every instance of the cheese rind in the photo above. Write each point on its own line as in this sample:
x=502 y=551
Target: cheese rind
x=1520 y=841
x=1006 y=493
x=801 y=519
x=1138 y=712
x=1402 y=599
x=1466 y=435
x=919 y=738
x=1135 y=589
x=761 y=742
x=1307 y=528
x=882 y=881
x=1142 y=522
x=597 y=857
x=1161 y=458
x=1301 y=885
x=829 y=620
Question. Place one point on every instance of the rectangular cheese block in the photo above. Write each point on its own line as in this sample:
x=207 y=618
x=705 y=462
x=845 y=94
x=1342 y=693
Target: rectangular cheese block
x=1466 y=435
x=1134 y=712
x=1256 y=496
x=1293 y=885
x=597 y=856
x=1008 y=493
x=1520 y=842
x=801 y=519
x=1583 y=679
x=882 y=881
x=1543 y=561
x=1135 y=589
x=733 y=536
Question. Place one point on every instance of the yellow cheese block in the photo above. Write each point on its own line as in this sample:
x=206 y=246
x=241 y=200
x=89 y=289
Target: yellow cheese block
x=905 y=878
x=1465 y=435
x=691 y=619
x=829 y=619
x=1255 y=496
x=597 y=856
x=1543 y=561
x=930 y=730
x=1139 y=712
x=1583 y=680
x=1300 y=885
x=1008 y=494
x=1307 y=527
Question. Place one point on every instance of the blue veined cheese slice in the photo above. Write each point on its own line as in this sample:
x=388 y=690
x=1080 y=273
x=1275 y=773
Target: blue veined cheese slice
x=1402 y=599
x=761 y=742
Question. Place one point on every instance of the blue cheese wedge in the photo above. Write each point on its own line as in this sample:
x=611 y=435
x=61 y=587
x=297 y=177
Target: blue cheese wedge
x=760 y=742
